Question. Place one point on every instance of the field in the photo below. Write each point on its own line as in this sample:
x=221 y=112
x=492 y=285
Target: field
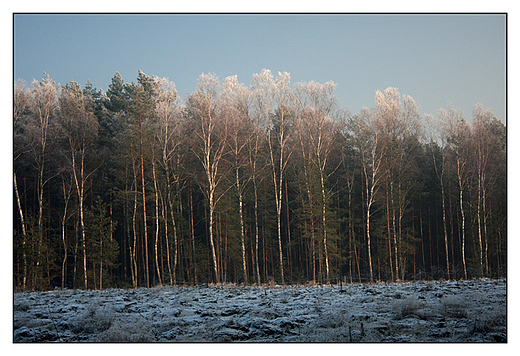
x=428 y=311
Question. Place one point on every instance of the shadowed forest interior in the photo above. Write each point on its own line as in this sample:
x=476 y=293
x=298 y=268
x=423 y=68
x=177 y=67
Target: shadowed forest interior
x=271 y=183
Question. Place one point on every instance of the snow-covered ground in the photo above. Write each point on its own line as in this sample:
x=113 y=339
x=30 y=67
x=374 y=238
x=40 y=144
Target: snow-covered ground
x=455 y=311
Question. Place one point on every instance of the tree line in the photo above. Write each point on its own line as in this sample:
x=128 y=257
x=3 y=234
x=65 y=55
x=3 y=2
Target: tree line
x=260 y=184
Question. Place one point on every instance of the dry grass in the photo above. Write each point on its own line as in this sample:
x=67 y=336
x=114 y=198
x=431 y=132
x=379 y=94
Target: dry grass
x=137 y=332
x=21 y=306
x=408 y=307
x=493 y=320
x=454 y=307
x=93 y=320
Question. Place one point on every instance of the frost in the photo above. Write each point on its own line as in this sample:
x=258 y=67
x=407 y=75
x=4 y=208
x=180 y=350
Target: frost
x=462 y=311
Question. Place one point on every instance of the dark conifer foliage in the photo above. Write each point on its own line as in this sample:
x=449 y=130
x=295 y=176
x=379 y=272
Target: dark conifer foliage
x=260 y=184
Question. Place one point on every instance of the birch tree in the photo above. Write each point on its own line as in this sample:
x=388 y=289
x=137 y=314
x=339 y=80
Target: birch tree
x=458 y=136
x=278 y=135
x=439 y=135
x=79 y=128
x=368 y=140
x=319 y=109
x=235 y=111
x=67 y=189
x=168 y=116
x=210 y=133
x=482 y=140
x=141 y=108
x=21 y=106
x=261 y=110
x=40 y=128
x=307 y=186
x=396 y=119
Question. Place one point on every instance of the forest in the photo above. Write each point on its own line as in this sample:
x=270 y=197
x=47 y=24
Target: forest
x=271 y=183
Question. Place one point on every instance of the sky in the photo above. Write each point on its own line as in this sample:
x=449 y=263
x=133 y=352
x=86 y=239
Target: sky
x=436 y=59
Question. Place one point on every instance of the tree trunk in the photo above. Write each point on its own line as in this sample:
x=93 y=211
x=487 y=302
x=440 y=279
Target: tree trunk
x=352 y=237
x=445 y=230
x=279 y=230
x=64 y=239
x=278 y=181
x=389 y=236
x=147 y=267
x=288 y=231
x=74 y=271
x=83 y=238
x=133 y=256
x=324 y=214
x=172 y=274
x=101 y=258
x=396 y=246
x=80 y=187
x=257 y=263
x=156 y=223
x=24 y=233
x=463 y=230
x=241 y=215
x=369 y=245
x=370 y=198
x=484 y=224
x=211 y=236
x=40 y=224
x=459 y=175
x=66 y=197
x=166 y=235
x=192 y=238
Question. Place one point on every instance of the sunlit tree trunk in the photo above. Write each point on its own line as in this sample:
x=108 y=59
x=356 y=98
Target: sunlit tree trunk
x=24 y=233
x=100 y=258
x=463 y=219
x=164 y=212
x=192 y=228
x=80 y=189
x=484 y=231
x=278 y=181
x=66 y=198
x=143 y=191
x=390 y=263
x=445 y=229
x=133 y=254
x=241 y=216
x=370 y=200
x=257 y=234
x=157 y=224
x=394 y=230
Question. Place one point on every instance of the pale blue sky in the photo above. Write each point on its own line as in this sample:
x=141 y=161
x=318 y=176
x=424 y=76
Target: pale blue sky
x=433 y=58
